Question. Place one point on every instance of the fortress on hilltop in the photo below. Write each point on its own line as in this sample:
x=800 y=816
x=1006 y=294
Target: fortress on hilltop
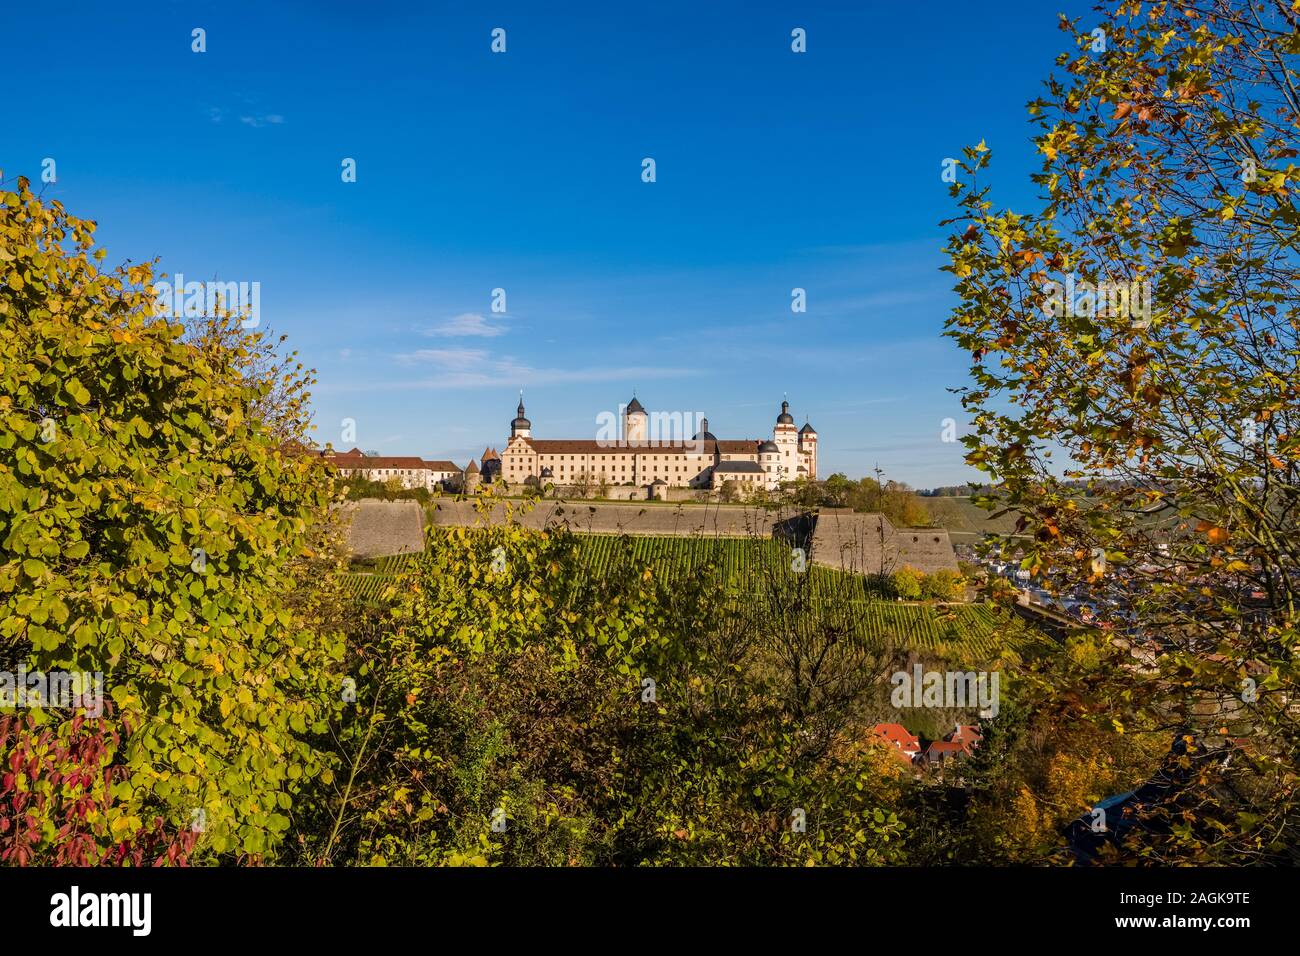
x=653 y=450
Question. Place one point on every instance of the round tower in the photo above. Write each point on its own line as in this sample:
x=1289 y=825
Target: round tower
x=635 y=422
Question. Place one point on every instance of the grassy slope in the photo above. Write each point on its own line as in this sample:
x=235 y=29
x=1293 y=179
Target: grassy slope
x=961 y=516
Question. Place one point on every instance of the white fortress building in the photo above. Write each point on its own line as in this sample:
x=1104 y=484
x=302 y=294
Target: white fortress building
x=652 y=450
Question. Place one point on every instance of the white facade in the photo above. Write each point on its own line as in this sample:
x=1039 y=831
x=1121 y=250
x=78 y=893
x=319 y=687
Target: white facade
x=704 y=461
x=410 y=472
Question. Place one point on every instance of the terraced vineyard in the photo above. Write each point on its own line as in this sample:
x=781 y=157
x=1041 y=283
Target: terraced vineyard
x=959 y=629
x=976 y=631
x=391 y=564
x=368 y=587
x=743 y=563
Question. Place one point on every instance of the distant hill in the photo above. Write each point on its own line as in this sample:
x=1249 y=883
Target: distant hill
x=961 y=516
x=964 y=520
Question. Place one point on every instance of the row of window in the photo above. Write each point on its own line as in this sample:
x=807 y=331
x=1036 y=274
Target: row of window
x=387 y=472
x=576 y=469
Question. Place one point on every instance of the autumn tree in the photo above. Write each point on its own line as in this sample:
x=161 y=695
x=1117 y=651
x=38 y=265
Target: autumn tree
x=1134 y=344
x=259 y=356
x=894 y=499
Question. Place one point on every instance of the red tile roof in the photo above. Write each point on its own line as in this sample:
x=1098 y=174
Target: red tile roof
x=898 y=735
x=589 y=446
x=944 y=749
x=408 y=462
x=968 y=735
x=381 y=461
x=905 y=743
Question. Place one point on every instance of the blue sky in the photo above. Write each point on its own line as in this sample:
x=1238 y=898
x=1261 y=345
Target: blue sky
x=522 y=171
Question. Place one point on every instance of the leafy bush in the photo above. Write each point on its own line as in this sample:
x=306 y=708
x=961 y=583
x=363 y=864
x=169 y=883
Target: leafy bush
x=507 y=681
x=150 y=517
x=56 y=800
x=943 y=585
x=359 y=488
x=906 y=583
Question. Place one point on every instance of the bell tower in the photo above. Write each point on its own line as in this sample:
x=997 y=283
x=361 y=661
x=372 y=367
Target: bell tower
x=635 y=422
x=786 y=439
x=521 y=427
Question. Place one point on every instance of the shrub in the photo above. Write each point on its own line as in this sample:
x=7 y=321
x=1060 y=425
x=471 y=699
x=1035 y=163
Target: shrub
x=57 y=805
x=906 y=583
x=151 y=517
x=943 y=585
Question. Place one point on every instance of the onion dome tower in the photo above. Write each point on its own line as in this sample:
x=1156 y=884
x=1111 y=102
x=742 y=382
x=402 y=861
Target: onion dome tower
x=521 y=427
x=786 y=438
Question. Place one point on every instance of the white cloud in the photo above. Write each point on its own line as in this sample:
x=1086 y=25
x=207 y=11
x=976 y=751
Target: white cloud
x=478 y=368
x=467 y=324
x=257 y=122
x=457 y=359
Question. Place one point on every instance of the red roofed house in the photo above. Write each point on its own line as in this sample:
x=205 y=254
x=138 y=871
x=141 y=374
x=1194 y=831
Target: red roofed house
x=941 y=751
x=967 y=735
x=960 y=742
x=906 y=743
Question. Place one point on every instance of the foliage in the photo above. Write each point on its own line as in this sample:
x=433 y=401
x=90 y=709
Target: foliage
x=1168 y=166
x=895 y=500
x=358 y=488
x=740 y=566
x=510 y=676
x=56 y=800
x=280 y=380
x=943 y=585
x=906 y=583
x=150 y=518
